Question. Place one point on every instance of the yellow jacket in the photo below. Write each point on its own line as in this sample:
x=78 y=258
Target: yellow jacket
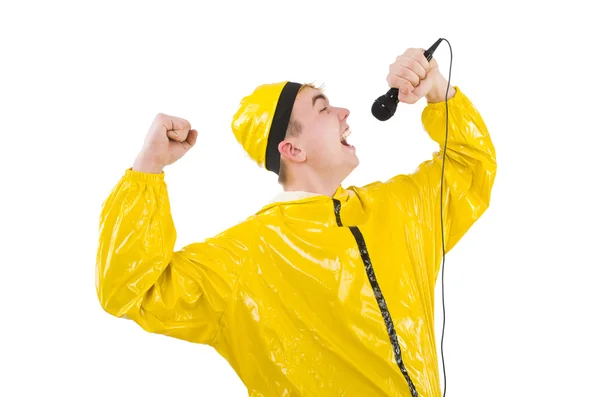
x=316 y=296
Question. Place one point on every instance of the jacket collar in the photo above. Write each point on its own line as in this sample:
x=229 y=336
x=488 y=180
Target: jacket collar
x=309 y=210
x=291 y=195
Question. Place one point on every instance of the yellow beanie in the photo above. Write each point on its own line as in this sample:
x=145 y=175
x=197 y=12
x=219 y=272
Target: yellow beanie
x=261 y=121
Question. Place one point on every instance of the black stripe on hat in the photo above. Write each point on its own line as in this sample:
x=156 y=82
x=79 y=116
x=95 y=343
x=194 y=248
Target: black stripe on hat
x=283 y=112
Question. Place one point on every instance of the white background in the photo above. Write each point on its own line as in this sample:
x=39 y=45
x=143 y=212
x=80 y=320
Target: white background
x=82 y=81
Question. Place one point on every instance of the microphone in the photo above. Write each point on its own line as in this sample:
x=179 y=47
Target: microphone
x=384 y=107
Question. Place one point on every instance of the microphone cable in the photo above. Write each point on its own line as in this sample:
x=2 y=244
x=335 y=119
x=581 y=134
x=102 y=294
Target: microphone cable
x=383 y=109
x=442 y=219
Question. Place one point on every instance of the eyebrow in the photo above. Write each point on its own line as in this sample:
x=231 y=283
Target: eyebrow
x=317 y=97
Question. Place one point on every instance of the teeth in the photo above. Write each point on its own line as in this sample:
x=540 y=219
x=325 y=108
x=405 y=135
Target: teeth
x=346 y=134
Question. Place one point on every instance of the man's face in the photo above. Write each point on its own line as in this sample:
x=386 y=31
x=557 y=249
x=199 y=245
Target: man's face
x=320 y=144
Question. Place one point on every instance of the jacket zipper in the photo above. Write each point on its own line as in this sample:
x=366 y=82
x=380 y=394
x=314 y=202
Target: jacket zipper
x=387 y=318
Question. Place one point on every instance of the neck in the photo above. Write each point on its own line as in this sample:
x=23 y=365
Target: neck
x=312 y=182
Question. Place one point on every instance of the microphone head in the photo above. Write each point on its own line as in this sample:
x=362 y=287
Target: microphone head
x=385 y=106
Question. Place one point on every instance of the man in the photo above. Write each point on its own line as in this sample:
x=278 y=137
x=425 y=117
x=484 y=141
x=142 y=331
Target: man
x=326 y=291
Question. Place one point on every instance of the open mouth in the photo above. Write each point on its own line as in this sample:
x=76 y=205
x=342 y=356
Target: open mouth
x=344 y=138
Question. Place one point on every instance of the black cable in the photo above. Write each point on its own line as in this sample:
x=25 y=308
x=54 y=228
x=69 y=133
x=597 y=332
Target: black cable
x=442 y=218
x=383 y=108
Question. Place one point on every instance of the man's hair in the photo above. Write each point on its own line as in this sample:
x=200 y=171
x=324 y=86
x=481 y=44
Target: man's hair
x=294 y=129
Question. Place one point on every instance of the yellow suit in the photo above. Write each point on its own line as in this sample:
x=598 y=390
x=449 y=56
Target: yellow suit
x=317 y=296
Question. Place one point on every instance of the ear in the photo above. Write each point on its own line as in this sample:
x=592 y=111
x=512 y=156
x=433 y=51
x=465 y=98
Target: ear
x=291 y=152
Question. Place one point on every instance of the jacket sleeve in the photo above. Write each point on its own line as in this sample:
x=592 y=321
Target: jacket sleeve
x=138 y=275
x=469 y=173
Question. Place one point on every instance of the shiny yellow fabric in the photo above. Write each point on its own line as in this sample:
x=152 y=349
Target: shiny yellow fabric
x=284 y=295
x=252 y=121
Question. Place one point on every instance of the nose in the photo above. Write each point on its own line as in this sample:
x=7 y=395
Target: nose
x=343 y=114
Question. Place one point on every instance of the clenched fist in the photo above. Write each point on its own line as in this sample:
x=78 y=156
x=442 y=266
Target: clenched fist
x=415 y=77
x=168 y=139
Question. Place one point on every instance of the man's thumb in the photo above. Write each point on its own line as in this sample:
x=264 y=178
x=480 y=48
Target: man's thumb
x=192 y=137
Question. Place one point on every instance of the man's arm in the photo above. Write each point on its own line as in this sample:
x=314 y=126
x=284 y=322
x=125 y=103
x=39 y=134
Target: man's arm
x=138 y=275
x=469 y=173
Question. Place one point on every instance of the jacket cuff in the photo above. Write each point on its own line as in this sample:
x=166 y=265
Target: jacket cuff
x=458 y=97
x=138 y=176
